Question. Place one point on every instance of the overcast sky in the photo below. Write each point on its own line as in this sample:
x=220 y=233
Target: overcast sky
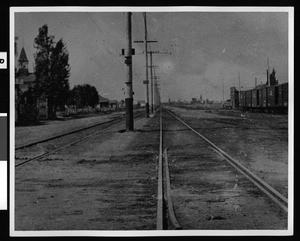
x=207 y=48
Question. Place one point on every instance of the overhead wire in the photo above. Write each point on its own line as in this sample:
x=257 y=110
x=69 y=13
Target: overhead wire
x=170 y=31
x=99 y=29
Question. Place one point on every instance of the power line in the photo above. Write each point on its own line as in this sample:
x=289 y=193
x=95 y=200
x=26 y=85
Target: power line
x=96 y=25
x=170 y=31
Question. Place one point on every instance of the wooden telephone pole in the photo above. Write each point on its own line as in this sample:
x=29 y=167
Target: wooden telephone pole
x=146 y=56
x=223 y=91
x=128 y=62
x=268 y=73
x=146 y=82
x=151 y=75
x=151 y=78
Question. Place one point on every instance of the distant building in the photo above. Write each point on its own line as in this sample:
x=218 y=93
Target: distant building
x=24 y=79
x=113 y=104
x=103 y=102
x=27 y=108
x=201 y=99
x=141 y=103
x=121 y=103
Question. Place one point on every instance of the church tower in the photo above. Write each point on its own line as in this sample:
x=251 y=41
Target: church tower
x=23 y=63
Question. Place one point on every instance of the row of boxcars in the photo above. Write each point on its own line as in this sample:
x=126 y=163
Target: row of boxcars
x=262 y=98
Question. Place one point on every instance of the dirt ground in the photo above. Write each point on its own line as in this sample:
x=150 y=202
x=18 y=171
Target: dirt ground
x=107 y=183
x=110 y=181
x=208 y=193
x=259 y=141
x=49 y=128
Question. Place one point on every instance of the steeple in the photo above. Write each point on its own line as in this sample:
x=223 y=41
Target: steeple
x=23 y=57
x=23 y=63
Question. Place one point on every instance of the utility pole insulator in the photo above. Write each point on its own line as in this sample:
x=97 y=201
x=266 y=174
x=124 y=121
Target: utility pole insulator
x=132 y=52
x=128 y=60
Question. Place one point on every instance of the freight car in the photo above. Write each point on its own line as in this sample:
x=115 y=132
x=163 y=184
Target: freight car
x=262 y=98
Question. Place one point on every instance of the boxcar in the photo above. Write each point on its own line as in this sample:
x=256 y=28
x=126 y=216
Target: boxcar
x=242 y=101
x=260 y=99
x=264 y=97
x=248 y=98
x=278 y=95
x=271 y=96
x=234 y=95
x=285 y=92
x=255 y=98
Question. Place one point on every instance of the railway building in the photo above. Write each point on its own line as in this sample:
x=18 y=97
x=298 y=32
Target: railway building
x=103 y=102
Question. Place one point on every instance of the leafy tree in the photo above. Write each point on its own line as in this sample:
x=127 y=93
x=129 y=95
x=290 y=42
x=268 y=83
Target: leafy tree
x=28 y=99
x=273 y=79
x=194 y=100
x=83 y=96
x=52 y=70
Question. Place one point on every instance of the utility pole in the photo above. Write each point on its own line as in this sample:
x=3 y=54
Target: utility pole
x=223 y=90
x=268 y=74
x=151 y=74
x=239 y=87
x=146 y=56
x=239 y=81
x=128 y=62
x=151 y=77
x=155 y=95
x=146 y=82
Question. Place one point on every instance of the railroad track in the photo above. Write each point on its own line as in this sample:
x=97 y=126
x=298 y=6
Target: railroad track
x=68 y=133
x=48 y=153
x=164 y=196
x=165 y=209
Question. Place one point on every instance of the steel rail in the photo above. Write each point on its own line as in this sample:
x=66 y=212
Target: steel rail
x=69 y=133
x=160 y=211
x=69 y=144
x=273 y=194
x=65 y=134
x=172 y=215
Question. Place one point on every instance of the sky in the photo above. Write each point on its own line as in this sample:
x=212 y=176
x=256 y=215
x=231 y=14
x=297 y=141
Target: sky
x=208 y=49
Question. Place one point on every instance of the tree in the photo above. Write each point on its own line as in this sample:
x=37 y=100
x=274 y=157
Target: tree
x=52 y=70
x=194 y=100
x=29 y=110
x=273 y=79
x=60 y=72
x=83 y=96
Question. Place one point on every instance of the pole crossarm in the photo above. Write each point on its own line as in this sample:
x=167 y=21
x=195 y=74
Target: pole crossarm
x=142 y=41
x=153 y=52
